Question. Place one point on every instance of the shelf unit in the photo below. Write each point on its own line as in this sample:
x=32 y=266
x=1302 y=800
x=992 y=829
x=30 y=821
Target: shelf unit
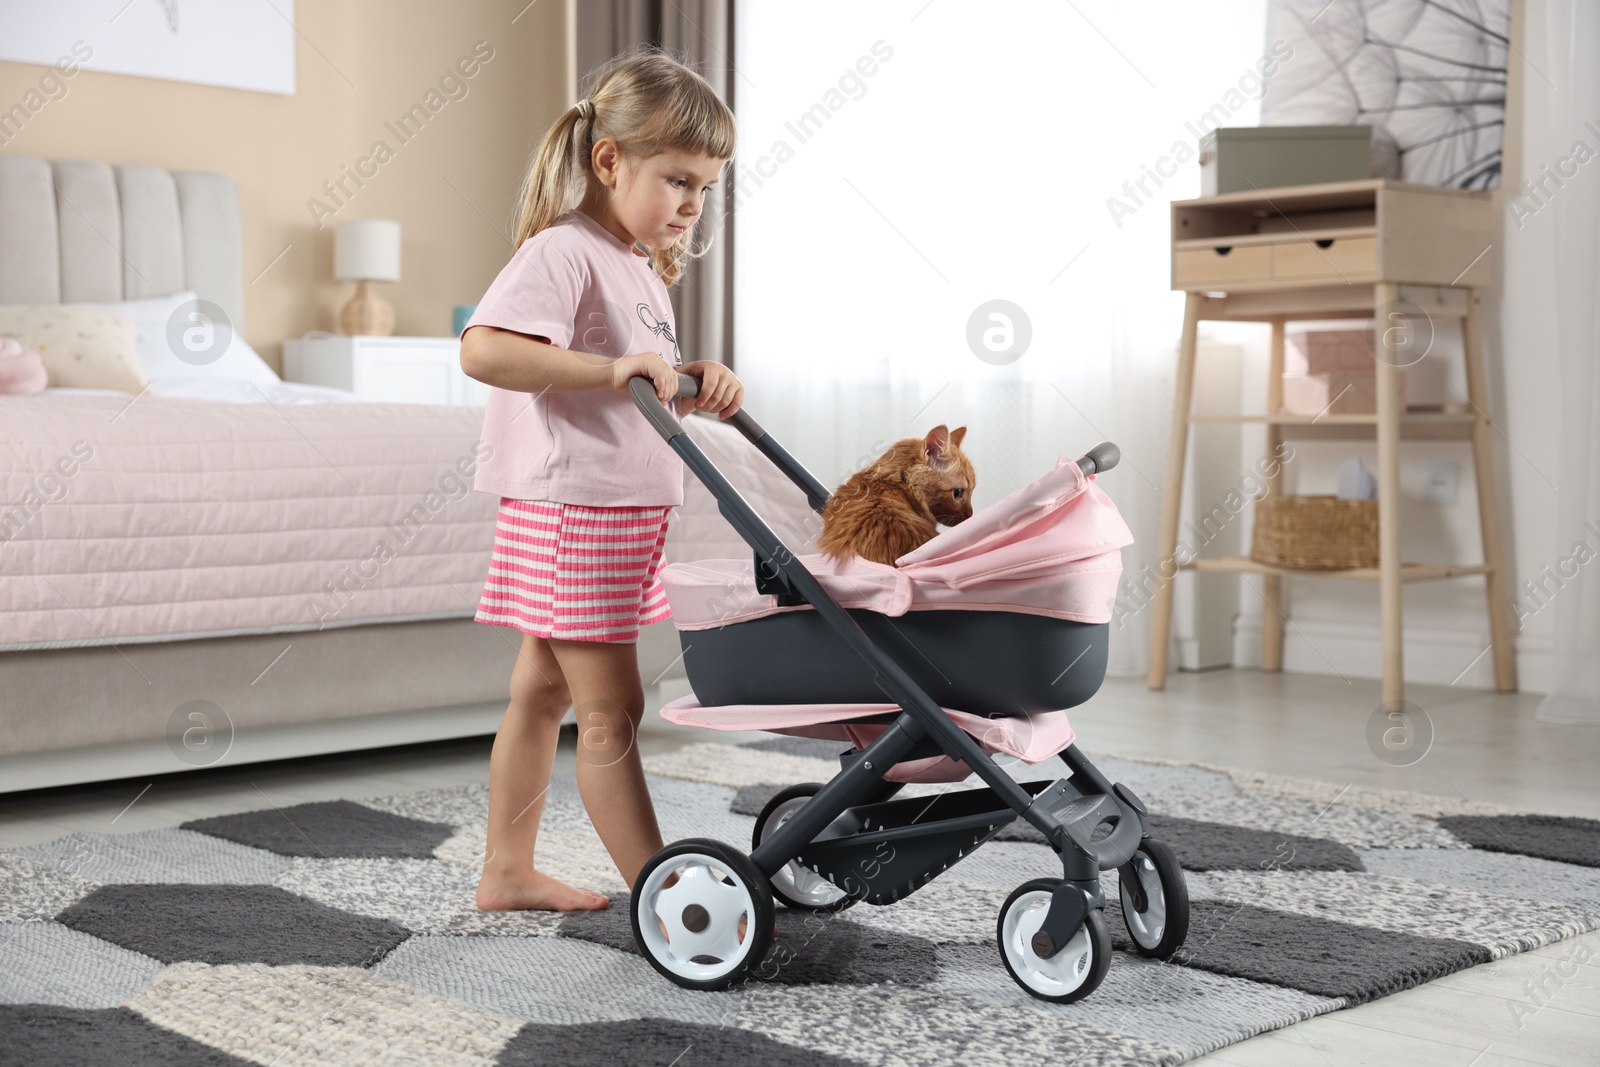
x=1405 y=253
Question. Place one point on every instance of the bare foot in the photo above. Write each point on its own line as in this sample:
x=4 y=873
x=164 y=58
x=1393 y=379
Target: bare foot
x=534 y=891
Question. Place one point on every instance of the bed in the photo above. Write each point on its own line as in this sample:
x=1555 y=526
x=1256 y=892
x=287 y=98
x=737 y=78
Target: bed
x=235 y=567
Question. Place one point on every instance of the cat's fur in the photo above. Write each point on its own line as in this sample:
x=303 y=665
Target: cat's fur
x=897 y=502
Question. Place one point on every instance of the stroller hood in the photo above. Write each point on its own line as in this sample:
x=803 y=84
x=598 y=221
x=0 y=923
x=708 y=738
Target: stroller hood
x=1051 y=548
x=1062 y=517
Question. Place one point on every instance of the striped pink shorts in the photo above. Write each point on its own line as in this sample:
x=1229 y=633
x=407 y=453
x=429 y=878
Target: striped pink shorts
x=575 y=572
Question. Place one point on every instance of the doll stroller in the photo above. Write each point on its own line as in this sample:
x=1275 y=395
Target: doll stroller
x=973 y=645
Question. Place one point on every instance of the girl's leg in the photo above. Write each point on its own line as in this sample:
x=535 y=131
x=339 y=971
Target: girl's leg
x=519 y=776
x=608 y=699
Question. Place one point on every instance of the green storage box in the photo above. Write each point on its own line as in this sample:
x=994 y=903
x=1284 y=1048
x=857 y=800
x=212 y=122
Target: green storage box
x=1240 y=159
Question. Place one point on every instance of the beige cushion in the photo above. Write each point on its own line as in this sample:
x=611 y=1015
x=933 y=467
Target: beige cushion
x=81 y=348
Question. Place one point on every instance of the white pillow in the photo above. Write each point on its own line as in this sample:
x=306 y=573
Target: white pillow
x=182 y=336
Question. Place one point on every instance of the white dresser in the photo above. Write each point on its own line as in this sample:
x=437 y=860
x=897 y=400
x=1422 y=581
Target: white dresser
x=402 y=370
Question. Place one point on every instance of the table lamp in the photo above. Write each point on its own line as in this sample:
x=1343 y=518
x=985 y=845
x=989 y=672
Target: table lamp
x=367 y=251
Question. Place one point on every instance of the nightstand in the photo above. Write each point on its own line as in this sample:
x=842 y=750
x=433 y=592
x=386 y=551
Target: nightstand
x=400 y=370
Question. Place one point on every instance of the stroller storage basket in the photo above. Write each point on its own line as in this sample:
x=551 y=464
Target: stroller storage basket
x=986 y=662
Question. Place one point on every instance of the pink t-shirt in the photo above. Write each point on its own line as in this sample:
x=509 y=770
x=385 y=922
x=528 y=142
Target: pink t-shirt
x=575 y=285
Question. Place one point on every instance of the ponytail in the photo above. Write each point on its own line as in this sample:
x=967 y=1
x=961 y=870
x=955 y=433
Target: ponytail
x=547 y=184
x=648 y=103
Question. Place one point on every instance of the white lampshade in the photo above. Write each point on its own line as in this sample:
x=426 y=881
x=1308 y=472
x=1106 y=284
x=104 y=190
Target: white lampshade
x=367 y=250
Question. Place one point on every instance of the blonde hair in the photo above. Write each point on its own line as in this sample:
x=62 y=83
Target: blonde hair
x=648 y=103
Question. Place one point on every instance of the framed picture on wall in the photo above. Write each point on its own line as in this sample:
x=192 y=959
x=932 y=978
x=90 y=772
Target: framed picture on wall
x=210 y=42
x=1429 y=78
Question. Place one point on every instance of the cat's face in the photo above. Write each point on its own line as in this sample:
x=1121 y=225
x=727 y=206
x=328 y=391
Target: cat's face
x=944 y=478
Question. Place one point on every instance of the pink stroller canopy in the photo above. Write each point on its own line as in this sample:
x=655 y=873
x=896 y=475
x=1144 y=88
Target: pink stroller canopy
x=1050 y=548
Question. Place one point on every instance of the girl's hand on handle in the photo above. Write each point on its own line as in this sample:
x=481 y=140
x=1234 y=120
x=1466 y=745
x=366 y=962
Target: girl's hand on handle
x=720 y=391
x=649 y=365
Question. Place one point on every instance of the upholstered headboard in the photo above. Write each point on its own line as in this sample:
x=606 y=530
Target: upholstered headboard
x=72 y=230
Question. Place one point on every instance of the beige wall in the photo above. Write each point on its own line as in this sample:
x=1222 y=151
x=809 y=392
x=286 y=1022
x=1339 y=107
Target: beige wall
x=359 y=64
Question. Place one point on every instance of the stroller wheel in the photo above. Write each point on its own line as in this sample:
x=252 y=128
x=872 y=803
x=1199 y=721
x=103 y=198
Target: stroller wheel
x=1155 y=900
x=715 y=887
x=799 y=887
x=1072 y=973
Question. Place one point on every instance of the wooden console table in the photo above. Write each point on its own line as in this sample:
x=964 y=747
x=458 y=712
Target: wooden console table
x=1408 y=256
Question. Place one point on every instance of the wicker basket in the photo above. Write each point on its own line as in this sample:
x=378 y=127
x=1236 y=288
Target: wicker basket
x=1315 y=532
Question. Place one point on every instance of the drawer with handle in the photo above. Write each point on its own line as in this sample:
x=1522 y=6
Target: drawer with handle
x=1345 y=258
x=1221 y=264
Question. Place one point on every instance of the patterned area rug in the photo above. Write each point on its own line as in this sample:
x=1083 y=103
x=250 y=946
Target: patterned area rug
x=344 y=932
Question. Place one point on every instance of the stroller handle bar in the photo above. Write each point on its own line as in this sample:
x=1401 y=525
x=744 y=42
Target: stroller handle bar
x=662 y=418
x=1102 y=457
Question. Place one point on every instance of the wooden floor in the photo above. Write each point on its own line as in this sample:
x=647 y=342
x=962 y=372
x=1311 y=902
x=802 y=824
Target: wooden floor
x=1488 y=748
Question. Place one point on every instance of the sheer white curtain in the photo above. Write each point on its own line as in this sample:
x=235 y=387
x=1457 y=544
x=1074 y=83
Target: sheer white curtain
x=1565 y=51
x=903 y=164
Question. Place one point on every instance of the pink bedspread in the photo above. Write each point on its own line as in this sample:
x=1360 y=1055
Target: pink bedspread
x=170 y=518
x=166 y=518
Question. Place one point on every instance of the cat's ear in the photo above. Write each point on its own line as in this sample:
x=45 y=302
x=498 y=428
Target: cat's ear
x=956 y=435
x=938 y=439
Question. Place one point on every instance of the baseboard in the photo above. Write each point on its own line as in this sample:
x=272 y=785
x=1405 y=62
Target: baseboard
x=1433 y=656
x=98 y=763
x=1189 y=656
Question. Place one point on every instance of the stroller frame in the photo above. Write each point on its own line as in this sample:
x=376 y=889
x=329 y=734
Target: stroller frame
x=877 y=849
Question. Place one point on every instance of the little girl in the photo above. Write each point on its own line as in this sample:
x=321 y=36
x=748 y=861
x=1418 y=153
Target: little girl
x=586 y=483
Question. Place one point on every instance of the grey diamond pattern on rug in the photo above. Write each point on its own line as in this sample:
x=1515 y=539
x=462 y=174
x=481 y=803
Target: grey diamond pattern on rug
x=1327 y=959
x=1213 y=846
x=48 y=1036
x=336 y=829
x=231 y=924
x=654 y=1043
x=750 y=799
x=345 y=932
x=1563 y=838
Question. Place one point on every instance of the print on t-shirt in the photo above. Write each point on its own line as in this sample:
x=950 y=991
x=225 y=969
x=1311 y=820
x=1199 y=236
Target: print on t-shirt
x=611 y=332
x=660 y=329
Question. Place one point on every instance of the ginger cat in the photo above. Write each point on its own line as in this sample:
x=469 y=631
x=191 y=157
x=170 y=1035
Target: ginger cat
x=896 y=504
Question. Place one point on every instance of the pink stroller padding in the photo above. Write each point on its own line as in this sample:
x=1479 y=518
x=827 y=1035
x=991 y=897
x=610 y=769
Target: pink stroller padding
x=1051 y=548
x=1029 y=739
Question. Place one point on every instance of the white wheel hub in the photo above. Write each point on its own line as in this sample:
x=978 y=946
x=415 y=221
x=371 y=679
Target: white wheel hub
x=1147 y=926
x=792 y=879
x=1061 y=973
x=701 y=913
